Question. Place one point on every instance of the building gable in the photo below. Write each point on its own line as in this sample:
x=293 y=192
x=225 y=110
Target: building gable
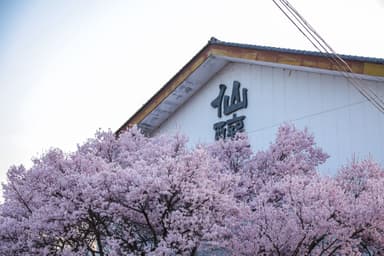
x=283 y=86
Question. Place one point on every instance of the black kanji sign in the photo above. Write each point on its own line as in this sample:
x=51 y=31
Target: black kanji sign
x=227 y=105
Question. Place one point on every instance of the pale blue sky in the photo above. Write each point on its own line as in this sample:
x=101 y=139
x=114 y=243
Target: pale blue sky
x=70 y=67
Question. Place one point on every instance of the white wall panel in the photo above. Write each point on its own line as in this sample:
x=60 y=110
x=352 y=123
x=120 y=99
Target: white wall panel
x=343 y=121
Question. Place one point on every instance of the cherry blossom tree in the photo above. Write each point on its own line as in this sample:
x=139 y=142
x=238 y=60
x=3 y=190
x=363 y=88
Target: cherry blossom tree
x=116 y=196
x=135 y=195
x=295 y=216
x=60 y=213
x=292 y=210
x=294 y=152
x=363 y=185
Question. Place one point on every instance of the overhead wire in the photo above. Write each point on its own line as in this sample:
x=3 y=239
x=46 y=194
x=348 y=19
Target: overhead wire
x=335 y=58
x=308 y=116
x=323 y=47
x=344 y=65
x=345 y=68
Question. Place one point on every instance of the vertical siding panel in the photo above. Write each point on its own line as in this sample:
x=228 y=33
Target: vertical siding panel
x=327 y=104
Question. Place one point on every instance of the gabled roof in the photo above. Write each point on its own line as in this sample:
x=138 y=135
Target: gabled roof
x=216 y=54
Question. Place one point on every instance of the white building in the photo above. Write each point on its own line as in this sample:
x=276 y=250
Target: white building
x=282 y=85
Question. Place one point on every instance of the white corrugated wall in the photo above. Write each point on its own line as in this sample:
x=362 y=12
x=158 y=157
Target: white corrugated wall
x=344 y=122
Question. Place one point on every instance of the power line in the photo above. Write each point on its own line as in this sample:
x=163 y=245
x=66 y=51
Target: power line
x=323 y=47
x=308 y=116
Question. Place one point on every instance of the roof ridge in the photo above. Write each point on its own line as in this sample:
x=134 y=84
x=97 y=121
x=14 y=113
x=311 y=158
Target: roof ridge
x=215 y=41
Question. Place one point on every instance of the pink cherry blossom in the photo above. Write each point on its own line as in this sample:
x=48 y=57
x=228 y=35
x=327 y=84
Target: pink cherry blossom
x=135 y=195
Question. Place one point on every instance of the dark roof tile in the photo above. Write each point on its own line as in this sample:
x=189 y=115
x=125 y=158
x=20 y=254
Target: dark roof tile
x=215 y=41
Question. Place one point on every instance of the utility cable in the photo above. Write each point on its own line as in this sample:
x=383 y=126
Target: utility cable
x=340 y=63
x=309 y=116
x=344 y=64
x=323 y=47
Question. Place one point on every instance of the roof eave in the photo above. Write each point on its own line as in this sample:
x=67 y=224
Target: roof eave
x=164 y=91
